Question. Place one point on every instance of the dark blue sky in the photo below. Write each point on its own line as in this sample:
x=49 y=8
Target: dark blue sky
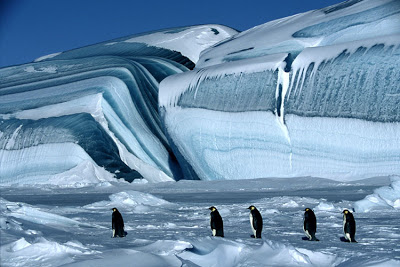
x=33 y=28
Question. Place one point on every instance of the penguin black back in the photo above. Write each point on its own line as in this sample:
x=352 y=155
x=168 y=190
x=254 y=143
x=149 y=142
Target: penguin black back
x=310 y=224
x=216 y=223
x=256 y=221
x=349 y=226
x=117 y=223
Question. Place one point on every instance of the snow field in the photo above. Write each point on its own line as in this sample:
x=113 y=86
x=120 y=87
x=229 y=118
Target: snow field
x=168 y=224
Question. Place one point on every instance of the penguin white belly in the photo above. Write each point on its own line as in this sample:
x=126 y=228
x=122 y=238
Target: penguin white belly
x=214 y=232
x=252 y=226
x=308 y=234
x=346 y=235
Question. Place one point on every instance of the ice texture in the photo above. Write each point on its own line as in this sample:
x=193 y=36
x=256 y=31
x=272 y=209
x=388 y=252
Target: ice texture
x=95 y=106
x=315 y=94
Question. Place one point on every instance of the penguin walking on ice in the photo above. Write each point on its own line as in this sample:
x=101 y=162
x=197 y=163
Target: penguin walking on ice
x=117 y=223
x=310 y=224
x=217 y=226
x=349 y=226
x=256 y=222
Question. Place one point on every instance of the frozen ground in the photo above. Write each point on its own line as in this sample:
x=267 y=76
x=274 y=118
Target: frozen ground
x=168 y=224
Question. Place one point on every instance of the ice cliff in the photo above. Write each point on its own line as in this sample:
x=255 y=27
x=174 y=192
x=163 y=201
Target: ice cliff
x=315 y=94
x=96 y=105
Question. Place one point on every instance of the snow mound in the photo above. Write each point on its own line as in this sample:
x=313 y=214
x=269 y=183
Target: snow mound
x=126 y=257
x=32 y=214
x=84 y=174
x=222 y=252
x=386 y=197
x=325 y=206
x=166 y=247
x=129 y=199
x=41 y=252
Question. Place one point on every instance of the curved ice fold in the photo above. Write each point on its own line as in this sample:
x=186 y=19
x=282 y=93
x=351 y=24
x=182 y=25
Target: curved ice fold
x=96 y=104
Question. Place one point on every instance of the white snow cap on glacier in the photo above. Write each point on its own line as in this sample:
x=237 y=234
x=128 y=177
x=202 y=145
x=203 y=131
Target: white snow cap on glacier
x=296 y=32
x=190 y=41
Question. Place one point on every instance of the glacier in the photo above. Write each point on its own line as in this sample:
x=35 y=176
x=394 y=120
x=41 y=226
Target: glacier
x=95 y=106
x=315 y=94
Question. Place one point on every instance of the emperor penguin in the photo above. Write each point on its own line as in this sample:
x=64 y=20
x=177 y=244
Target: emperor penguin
x=117 y=223
x=217 y=226
x=349 y=226
x=256 y=222
x=310 y=224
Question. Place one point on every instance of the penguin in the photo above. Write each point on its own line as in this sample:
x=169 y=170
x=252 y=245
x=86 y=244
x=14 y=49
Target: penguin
x=256 y=222
x=217 y=226
x=117 y=223
x=310 y=224
x=349 y=226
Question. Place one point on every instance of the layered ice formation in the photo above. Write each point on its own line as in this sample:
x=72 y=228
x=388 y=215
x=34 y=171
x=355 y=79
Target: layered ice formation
x=315 y=94
x=95 y=106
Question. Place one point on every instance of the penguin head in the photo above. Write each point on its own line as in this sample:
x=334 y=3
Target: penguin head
x=251 y=207
x=114 y=209
x=307 y=209
x=346 y=212
x=212 y=208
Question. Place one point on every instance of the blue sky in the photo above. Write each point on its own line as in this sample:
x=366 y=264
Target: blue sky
x=33 y=28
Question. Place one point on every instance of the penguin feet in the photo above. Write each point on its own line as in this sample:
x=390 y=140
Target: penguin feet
x=252 y=236
x=308 y=239
x=343 y=239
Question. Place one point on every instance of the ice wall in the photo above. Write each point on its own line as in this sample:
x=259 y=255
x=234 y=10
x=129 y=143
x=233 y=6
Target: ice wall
x=315 y=94
x=96 y=105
